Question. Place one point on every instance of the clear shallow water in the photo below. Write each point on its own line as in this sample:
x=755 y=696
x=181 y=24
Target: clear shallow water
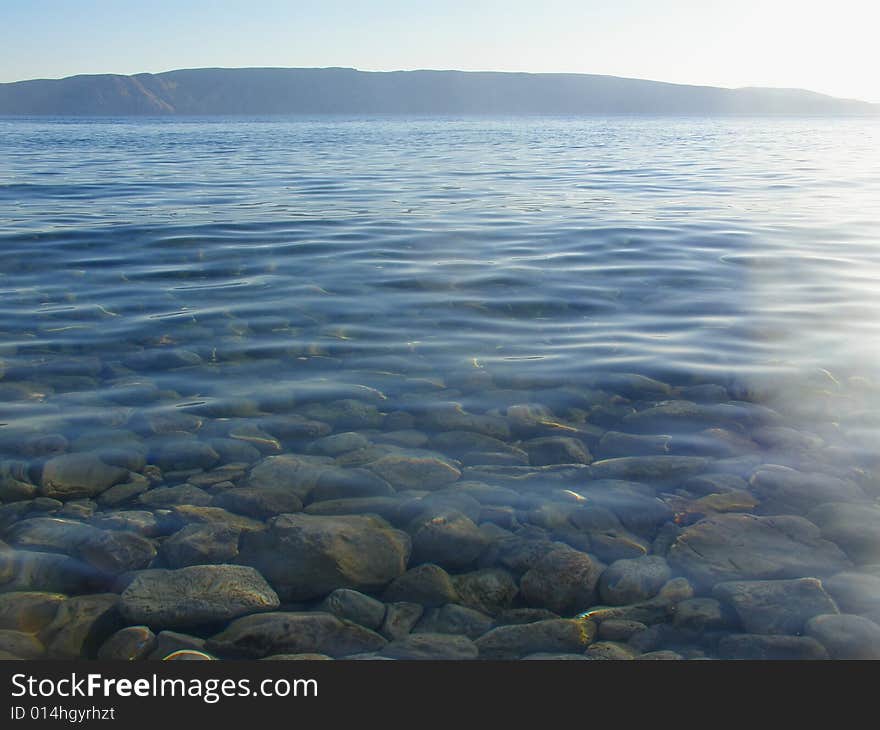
x=216 y=283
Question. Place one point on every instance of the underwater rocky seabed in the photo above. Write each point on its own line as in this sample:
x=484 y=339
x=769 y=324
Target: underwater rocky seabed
x=633 y=519
x=573 y=389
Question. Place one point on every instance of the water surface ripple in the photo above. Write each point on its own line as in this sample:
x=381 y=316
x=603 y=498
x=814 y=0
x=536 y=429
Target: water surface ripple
x=512 y=326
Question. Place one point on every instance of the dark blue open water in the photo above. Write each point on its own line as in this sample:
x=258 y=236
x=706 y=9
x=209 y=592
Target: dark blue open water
x=518 y=325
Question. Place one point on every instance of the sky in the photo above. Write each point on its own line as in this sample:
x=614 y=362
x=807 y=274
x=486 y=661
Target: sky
x=826 y=46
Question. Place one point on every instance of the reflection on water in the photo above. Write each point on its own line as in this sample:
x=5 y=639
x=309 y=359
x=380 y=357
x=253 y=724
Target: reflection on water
x=439 y=388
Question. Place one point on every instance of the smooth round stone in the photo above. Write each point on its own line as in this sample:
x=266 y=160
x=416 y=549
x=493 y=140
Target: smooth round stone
x=132 y=643
x=70 y=476
x=339 y=443
x=563 y=581
x=356 y=607
x=349 y=484
x=846 y=636
x=619 y=629
x=427 y=584
x=516 y=616
x=21 y=645
x=699 y=614
x=200 y=545
x=757 y=646
x=260 y=635
x=28 y=611
x=554 y=635
x=169 y=496
x=415 y=470
x=183 y=454
x=306 y=657
x=855 y=592
x=549 y=450
x=168 y=642
x=449 y=539
x=609 y=650
x=854 y=527
x=782 y=490
x=746 y=547
x=258 y=502
x=661 y=655
x=431 y=646
x=776 y=606
x=81 y=625
x=490 y=590
x=195 y=595
x=454 y=619
x=633 y=581
x=308 y=556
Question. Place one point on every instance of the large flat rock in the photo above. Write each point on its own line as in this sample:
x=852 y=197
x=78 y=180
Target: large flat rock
x=745 y=547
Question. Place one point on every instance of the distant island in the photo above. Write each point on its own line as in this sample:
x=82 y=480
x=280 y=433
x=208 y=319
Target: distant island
x=263 y=91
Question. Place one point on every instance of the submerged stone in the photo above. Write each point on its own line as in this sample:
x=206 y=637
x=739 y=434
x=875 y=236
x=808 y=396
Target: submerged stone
x=490 y=590
x=129 y=644
x=195 y=595
x=29 y=611
x=633 y=581
x=553 y=635
x=356 y=607
x=744 y=547
x=454 y=619
x=260 y=635
x=70 y=476
x=308 y=556
x=431 y=646
x=427 y=584
x=563 y=581
x=776 y=606
x=415 y=470
x=81 y=625
x=845 y=636
x=758 y=646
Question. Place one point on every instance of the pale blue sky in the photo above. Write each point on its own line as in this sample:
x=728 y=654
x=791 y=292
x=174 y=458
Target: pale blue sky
x=825 y=46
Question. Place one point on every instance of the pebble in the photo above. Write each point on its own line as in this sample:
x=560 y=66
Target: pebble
x=195 y=595
x=548 y=450
x=490 y=590
x=130 y=644
x=28 y=611
x=783 y=490
x=845 y=636
x=260 y=503
x=553 y=635
x=746 y=547
x=855 y=592
x=431 y=646
x=261 y=635
x=633 y=581
x=450 y=539
x=563 y=581
x=758 y=646
x=415 y=470
x=426 y=584
x=356 y=607
x=81 y=625
x=71 y=476
x=454 y=619
x=854 y=527
x=203 y=544
x=308 y=556
x=610 y=650
x=775 y=606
